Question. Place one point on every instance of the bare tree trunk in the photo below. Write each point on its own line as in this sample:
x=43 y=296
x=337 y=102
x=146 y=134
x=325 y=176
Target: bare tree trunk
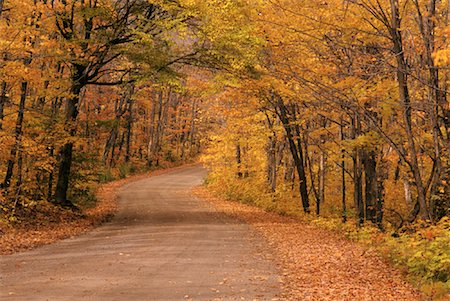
x=289 y=170
x=322 y=172
x=66 y=152
x=343 y=184
x=239 y=173
x=271 y=163
x=19 y=169
x=122 y=142
x=110 y=143
x=129 y=124
x=192 y=129
x=17 y=136
x=50 y=177
x=3 y=100
x=155 y=146
x=357 y=174
x=402 y=79
x=152 y=130
x=371 y=184
x=312 y=175
x=296 y=151
x=408 y=193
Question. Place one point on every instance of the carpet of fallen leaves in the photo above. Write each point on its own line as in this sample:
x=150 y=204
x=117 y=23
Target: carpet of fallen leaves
x=317 y=264
x=51 y=223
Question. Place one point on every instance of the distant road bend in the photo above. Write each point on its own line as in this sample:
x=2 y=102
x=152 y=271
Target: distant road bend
x=164 y=244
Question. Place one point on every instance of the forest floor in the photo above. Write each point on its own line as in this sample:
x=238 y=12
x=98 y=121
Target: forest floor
x=317 y=264
x=48 y=223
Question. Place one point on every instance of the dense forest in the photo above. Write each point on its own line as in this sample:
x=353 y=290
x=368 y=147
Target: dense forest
x=93 y=90
x=335 y=108
x=347 y=100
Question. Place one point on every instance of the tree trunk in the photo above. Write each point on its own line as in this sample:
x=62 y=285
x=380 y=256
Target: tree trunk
x=312 y=175
x=192 y=129
x=238 y=161
x=271 y=163
x=427 y=26
x=155 y=146
x=50 y=177
x=343 y=184
x=357 y=175
x=296 y=151
x=129 y=124
x=17 y=136
x=371 y=184
x=66 y=152
x=110 y=143
x=3 y=100
x=152 y=130
x=402 y=79
x=322 y=172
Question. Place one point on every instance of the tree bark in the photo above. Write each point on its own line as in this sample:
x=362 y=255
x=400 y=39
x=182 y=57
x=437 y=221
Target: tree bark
x=271 y=163
x=343 y=184
x=3 y=100
x=402 y=79
x=192 y=129
x=371 y=185
x=66 y=152
x=296 y=151
x=239 y=173
x=129 y=124
x=357 y=174
x=17 y=136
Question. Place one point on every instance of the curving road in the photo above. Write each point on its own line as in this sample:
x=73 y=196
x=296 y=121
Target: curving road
x=164 y=244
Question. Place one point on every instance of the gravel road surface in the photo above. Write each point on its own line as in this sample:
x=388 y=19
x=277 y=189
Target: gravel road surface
x=164 y=244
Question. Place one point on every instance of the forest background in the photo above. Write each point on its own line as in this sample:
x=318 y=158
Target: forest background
x=333 y=111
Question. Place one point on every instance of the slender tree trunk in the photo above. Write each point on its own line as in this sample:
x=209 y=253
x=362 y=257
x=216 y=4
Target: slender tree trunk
x=382 y=176
x=129 y=125
x=192 y=129
x=296 y=151
x=19 y=169
x=312 y=175
x=402 y=79
x=239 y=160
x=273 y=149
x=122 y=142
x=3 y=84
x=289 y=170
x=371 y=184
x=151 y=138
x=427 y=27
x=343 y=184
x=155 y=146
x=271 y=163
x=17 y=136
x=110 y=143
x=408 y=193
x=322 y=172
x=357 y=174
x=50 y=177
x=3 y=100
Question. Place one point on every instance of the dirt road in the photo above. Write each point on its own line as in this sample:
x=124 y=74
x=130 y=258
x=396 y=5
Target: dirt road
x=163 y=245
